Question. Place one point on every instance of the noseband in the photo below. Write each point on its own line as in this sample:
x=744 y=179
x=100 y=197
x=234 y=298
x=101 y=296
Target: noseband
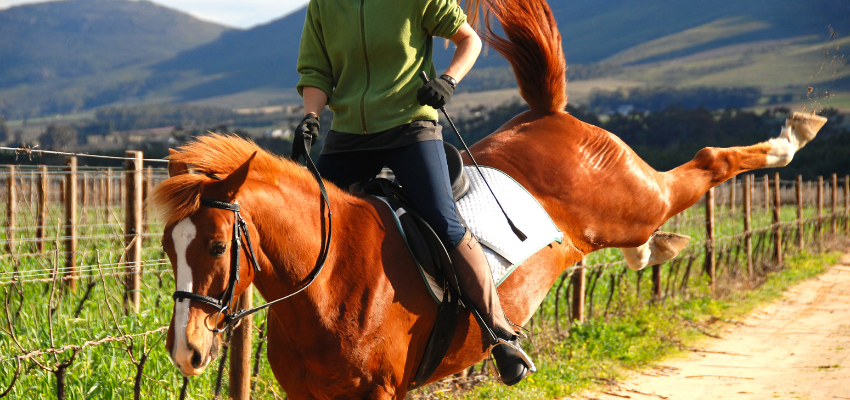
x=225 y=302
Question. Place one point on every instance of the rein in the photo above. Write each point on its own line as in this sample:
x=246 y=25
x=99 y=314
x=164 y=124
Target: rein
x=225 y=303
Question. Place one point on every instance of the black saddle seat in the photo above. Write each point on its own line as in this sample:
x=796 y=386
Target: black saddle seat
x=458 y=178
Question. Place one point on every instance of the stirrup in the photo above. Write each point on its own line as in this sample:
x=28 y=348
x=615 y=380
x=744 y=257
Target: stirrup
x=530 y=368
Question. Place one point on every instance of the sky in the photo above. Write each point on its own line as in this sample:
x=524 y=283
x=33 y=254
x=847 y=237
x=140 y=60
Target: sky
x=233 y=13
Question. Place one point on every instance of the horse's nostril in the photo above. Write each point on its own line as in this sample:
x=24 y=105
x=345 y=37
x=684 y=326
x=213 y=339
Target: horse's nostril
x=197 y=359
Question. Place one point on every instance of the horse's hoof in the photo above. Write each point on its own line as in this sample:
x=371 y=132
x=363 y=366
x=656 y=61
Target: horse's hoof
x=666 y=245
x=661 y=247
x=805 y=125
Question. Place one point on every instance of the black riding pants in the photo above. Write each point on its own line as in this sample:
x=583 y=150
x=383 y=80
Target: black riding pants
x=420 y=168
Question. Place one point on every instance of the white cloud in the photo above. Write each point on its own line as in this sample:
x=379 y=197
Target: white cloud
x=237 y=13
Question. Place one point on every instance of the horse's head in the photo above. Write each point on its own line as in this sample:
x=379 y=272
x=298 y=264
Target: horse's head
x=199 y=241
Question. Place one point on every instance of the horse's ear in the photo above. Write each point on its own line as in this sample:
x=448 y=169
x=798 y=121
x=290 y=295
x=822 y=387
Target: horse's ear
x=230 y=186
x=176 y=167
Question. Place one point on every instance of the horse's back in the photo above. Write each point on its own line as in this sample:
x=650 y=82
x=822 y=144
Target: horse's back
x=582 y=174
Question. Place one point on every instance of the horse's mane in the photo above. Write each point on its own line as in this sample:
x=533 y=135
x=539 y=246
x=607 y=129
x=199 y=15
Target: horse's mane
x=533 y=48
x=180 y=196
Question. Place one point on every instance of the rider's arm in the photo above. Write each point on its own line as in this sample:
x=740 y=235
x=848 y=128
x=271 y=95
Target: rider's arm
x=468 y=47
x=313 y=63
x=314 y=99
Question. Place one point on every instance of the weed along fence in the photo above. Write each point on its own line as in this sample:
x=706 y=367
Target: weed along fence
x=86 y=287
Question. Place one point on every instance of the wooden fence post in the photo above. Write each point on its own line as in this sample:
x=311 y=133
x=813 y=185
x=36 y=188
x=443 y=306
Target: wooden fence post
x=656 y=282
x=846 y=204
x=710 y=267
x=148 y=191
x=834 y=209
x=71 y=221
x=767 y=201
x=748 y=228
x=240 y=356
x=123 y=187
x=33 y=188
x=11 y=209
x=43 y=210
x=820 y=207
x=108 y=188
x=800 y=231
x=777 y=208
x=578 y=291
x=133 y=227
x=84 y=188
x=733 y=195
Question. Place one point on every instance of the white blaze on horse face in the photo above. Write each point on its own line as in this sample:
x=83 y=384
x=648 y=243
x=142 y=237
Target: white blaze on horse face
x=183 y=234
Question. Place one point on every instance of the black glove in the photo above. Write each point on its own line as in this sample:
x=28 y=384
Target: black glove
x=308 y=128
x=435 y=93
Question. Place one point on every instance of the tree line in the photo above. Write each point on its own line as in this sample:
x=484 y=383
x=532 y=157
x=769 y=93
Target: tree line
x=664 y=138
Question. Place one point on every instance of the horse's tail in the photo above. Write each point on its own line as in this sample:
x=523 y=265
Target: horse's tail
x=533 y=47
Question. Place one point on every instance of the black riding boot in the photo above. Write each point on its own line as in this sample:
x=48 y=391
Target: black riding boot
x=476 y=283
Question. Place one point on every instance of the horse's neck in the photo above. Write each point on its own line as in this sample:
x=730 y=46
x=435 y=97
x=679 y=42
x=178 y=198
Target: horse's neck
x=293 y=227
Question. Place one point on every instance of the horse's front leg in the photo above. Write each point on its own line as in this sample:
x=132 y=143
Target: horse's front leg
x=713 y=166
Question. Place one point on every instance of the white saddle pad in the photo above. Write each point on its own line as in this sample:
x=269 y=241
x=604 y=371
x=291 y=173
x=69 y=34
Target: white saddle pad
x=480 y=213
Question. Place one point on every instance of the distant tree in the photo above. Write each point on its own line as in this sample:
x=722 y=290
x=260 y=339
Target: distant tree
x=4 y=131
x=57 y=137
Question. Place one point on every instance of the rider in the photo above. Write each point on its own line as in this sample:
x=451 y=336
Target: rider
x=362 y=59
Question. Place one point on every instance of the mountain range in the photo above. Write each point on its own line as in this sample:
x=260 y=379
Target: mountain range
x=73 y=55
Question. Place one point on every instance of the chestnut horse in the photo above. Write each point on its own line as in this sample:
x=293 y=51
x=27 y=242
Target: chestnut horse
x=359 y=331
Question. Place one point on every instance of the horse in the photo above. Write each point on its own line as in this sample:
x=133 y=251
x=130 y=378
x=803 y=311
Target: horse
x=359 y=330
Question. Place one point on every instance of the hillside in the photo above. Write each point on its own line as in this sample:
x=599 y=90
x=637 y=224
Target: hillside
x=52 y=46
x=649 y=42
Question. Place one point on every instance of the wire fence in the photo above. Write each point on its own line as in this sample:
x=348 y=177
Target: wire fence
x=82 y=316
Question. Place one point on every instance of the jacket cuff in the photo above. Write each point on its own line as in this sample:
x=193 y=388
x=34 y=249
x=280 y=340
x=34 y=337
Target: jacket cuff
x=315 y=79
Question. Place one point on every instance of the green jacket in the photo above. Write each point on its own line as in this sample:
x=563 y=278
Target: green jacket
x=366 y=56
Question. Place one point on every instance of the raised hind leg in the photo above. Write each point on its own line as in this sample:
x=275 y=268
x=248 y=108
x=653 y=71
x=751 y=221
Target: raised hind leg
x=713 y=166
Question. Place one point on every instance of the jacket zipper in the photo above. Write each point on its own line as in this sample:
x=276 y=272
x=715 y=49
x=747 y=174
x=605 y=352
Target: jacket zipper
x=366 y=57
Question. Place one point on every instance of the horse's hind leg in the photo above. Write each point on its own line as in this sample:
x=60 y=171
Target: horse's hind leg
x=712 y=166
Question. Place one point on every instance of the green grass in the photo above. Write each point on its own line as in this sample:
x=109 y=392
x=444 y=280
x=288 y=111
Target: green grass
x=629 y=332
x=104 y=371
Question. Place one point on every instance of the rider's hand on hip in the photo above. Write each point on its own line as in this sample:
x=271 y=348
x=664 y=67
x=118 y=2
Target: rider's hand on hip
x=307 y=128
x=437 y=92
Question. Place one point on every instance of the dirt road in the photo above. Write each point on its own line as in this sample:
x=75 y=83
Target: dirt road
x=795 y=348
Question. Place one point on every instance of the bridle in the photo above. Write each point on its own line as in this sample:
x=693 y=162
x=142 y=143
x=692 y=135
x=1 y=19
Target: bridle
x=225 y=302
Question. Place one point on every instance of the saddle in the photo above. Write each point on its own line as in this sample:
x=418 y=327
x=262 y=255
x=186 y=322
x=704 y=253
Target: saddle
x=422 y=241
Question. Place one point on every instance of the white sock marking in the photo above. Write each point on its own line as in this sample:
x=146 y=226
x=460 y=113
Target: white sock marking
x=783 y=148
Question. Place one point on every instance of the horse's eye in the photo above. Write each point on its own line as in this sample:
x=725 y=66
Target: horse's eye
x=218 y=248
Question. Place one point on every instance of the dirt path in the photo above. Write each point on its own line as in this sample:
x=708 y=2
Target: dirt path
x=794 y=348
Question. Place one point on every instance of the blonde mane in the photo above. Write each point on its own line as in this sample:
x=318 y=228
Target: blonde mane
x=180 y=196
